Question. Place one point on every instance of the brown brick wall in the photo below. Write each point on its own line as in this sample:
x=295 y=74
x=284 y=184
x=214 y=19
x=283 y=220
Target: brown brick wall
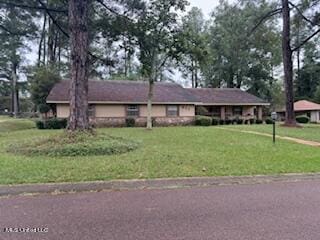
x=141 y=122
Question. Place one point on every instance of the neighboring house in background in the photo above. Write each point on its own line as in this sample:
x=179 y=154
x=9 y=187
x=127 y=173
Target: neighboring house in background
x=111 y=102
x=304 y=107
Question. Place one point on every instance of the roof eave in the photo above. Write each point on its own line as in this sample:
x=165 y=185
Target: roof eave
x=157 y=103
x=126 y=102
x=234 y=104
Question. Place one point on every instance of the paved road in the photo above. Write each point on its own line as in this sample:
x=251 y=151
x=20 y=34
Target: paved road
x=266 y=211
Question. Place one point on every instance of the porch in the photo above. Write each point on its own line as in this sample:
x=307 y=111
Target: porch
x=230 y=112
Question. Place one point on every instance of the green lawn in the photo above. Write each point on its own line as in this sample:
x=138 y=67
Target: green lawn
x=164 y=152
x=8 y=124
x=307 y=132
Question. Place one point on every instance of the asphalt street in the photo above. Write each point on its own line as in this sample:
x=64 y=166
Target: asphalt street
x=241 y=212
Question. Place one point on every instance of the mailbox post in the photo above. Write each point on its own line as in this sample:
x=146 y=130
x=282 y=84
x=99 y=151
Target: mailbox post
x=274 y=118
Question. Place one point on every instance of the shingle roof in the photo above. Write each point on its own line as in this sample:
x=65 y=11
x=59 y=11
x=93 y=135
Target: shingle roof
x=125 y=92
x=227 y=96
x=137 y=92
x=304 y=105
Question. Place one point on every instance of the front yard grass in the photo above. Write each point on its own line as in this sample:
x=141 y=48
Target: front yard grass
x=309 y=132
x=8 y=124
x=164 y=152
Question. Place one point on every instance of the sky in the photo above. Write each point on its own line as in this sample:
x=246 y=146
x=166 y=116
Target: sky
x=206 y=5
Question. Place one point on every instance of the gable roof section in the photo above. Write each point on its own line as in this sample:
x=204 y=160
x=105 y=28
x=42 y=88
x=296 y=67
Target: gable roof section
x=305 y=105
x=225 y=96
x=124 y=92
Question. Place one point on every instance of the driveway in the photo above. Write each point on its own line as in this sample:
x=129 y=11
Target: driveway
x=241 y=212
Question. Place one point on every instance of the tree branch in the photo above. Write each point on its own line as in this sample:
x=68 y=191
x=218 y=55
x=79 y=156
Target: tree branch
x=12 y=32
x=306 y=40
x=266 y=16
x=301 y=14
x=113 y=11
x=53 y=19
x=10 y=4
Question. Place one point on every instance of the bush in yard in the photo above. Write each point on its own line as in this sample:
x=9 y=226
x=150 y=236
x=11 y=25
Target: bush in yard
x=303 y=119
x=269 y=121
x=221 y=122
x=239 y=121
x=251 y=121
x=56 y=123
x=130 y=122
x=40 y=124
x=74 y=144
x=228 y=121
x=52 y=123
x=215 y=121
x=203 y=121
x=246 y=121
x=258 y=121
x=44 y=108
x=154 y=121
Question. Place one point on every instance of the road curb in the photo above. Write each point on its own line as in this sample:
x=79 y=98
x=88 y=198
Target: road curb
x=163 y=183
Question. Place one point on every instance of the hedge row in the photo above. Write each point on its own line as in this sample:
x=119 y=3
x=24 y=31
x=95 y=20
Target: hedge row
x=52 y=123
x=208 y=121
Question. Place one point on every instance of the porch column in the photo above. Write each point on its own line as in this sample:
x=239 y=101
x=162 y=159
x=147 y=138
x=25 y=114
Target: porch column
x=260 y=112
x=223 y=112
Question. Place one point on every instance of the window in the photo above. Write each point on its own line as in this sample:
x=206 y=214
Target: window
x=172 y=111
x=237 y=111
x=92 y=111
x=215 y=111
x=133 y=111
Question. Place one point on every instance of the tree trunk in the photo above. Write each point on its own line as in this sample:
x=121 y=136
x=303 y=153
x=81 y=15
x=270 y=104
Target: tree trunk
x=41 y=43
x=15 y=100
x=196 y=83
x=287 y=65
x=149 y=107
x=192 y=74
x=78 y=24
x=298 y=51
x=51 y=36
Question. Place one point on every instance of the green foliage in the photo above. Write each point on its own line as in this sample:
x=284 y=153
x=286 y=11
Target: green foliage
x=43 y=108
x=52 y=123
x=73 y=145
x=40 y=124
x=215 y=121
x=303 y=119
x=239 y=121
x=237 y=55
x=251 y=121
x=41 y=83
x=130 y=122
x=193 y=44
x=269 y=121
x=203 y=121
x=221 y=122
x=228 y=121
x=157 y=37
x=317 y=95
x=258 y=121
